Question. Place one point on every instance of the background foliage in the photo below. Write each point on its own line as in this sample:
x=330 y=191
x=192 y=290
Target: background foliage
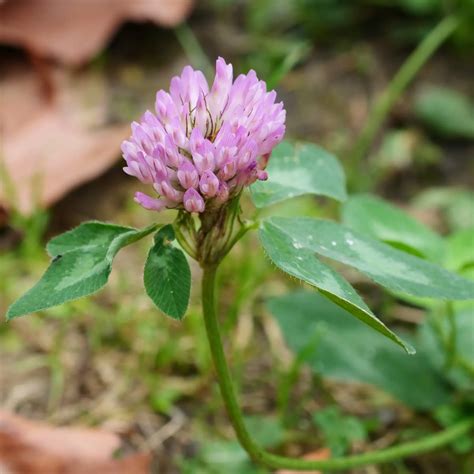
x=311 y=376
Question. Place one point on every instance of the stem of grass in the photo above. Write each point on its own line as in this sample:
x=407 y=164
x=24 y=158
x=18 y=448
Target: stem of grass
x=441 y=32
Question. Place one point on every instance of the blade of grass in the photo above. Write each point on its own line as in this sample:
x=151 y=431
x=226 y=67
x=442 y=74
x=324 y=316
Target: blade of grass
x=193 y=49
x=383 y=105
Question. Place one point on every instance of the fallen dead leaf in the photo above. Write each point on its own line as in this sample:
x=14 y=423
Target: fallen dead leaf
x=318 y=455
x=50 y=146
x=28 y=447
x=73 y=31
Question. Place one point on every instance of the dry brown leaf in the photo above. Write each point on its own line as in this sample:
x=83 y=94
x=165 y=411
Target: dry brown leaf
x=49 y=147
x=73 y=31
x=28 y=447
x=319 y=455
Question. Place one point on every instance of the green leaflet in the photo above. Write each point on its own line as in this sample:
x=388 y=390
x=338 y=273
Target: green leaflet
x=376 y=218
x=302 y=263
x=82 y=262
x=345 y=350
x=299 y=169
x=460 y=250
x=447 y=112
x=167 y=275
x=391 y=268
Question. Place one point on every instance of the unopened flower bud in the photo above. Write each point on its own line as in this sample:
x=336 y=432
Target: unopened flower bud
x=193 y=201
x=187 y=175
x=209 y=184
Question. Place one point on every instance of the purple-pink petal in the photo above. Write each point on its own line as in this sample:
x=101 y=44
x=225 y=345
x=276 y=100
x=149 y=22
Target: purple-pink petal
x=150 y=203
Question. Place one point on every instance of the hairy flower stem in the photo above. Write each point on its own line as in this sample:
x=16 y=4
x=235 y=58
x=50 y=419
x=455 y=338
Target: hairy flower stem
x=273 y=461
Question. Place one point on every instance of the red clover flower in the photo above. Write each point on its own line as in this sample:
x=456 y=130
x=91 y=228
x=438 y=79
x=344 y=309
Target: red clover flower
x=202 y=146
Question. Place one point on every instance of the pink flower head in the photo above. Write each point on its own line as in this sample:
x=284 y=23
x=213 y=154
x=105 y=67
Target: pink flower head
x=203 y=145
